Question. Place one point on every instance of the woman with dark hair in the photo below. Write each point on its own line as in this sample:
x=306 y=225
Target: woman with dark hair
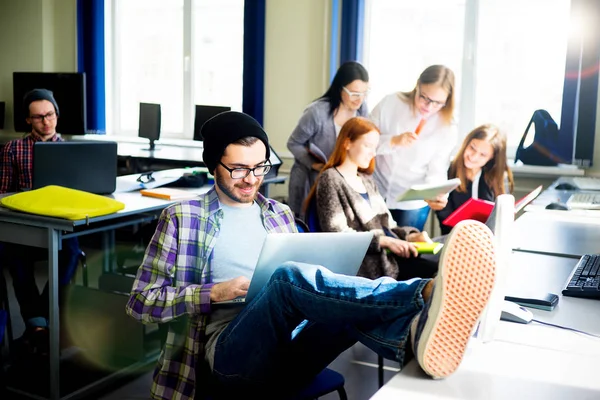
x=418 y=136
x=482 y=168
x=347 y=200
x=313 y=139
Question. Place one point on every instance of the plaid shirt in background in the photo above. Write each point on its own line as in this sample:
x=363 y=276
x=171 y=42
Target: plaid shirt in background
x=175 y=280
x=16 y=163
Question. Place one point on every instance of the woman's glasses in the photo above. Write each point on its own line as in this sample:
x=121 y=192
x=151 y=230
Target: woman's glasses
x=355 y=95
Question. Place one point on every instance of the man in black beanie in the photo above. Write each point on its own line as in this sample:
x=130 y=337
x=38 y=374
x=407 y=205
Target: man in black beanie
x=235 y=184
x=205 y=250
x=16 y=174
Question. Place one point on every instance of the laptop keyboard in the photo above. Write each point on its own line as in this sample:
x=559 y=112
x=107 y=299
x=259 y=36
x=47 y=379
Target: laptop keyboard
x=584 y=201
x=584 y=280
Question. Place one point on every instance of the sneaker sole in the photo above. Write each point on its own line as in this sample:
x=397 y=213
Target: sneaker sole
x=467 y=270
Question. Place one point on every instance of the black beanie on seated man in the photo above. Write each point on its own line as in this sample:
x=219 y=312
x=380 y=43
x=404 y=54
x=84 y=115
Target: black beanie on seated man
x=38 y=94
x=225 y=128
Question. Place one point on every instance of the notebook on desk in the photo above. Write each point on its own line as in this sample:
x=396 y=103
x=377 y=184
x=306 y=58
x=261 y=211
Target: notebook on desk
x=340 y=252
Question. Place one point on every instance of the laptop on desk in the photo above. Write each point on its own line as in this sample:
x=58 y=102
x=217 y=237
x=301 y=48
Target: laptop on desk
x=90 y=166
x=340 y=252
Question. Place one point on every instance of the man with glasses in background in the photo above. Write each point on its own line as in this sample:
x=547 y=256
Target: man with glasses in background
x=16 y=175
x=205 y=250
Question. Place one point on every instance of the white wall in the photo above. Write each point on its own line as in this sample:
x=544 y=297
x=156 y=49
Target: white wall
x=296 y=62
x=35 y=35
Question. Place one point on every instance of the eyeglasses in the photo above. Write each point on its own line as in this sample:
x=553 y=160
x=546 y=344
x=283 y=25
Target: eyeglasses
x=429 y=101
x=241 y=173
x=355 y=95
x=51 y=116
x=146 y=177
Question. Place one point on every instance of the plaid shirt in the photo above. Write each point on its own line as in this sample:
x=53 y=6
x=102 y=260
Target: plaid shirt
x=16 y=163
x=174 y=282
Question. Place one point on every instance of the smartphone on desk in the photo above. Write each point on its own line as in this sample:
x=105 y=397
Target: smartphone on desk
x=541 y=301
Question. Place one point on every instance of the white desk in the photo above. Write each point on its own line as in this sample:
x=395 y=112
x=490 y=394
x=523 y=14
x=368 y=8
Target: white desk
x=557 y=232
x=530 y=361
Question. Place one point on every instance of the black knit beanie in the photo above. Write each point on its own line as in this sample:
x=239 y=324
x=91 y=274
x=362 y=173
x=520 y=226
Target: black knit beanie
x=38 y=94
x=225 y=128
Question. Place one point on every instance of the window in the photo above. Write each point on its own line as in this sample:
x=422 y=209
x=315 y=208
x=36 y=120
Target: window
x=177 y=53
x=403 y=37
x=508 y=56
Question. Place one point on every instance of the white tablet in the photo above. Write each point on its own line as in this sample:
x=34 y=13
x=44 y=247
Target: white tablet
x=429 y=191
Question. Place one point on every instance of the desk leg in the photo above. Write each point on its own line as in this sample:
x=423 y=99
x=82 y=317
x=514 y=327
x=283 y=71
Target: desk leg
x=108 y=248
x=53 y=242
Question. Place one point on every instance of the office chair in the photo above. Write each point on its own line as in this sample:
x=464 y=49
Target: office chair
x=312 y=217
x=327 y=381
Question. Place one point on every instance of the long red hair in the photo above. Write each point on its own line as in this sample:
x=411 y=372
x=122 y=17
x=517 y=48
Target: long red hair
x=352 y=130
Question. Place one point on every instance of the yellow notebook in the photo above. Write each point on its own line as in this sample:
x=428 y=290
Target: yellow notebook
x=168 y=193
x=428 y=248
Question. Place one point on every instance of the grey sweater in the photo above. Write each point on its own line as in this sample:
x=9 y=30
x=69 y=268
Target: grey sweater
x=316 y=126
x=342 y=209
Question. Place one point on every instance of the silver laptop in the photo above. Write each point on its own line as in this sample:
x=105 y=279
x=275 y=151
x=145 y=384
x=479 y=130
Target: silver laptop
x=340 y=252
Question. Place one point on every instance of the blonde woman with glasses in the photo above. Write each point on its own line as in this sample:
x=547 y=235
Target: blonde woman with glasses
x=418 y=137
x=313 y=139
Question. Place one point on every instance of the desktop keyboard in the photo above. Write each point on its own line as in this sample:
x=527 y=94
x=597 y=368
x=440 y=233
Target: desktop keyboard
x=584 y=201
x=585 y=278
x=587 y=183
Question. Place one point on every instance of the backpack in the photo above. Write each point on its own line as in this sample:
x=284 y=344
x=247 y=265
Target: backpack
x=545 y=147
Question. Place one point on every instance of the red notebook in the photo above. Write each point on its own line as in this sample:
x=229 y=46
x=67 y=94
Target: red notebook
x=480 y=210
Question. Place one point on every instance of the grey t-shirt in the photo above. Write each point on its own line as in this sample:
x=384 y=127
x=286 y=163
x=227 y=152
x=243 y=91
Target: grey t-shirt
x=241 y=236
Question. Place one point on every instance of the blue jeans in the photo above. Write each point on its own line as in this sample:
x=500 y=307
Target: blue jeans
x=415 y=218
x=262 y=346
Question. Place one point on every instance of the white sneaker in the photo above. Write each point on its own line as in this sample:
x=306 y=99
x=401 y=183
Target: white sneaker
x=462 y=287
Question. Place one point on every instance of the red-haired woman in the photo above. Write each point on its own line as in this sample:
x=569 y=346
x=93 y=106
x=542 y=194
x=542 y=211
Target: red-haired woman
x=347 y=200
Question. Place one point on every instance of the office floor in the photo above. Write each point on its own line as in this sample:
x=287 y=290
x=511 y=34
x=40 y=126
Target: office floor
x=358 y=364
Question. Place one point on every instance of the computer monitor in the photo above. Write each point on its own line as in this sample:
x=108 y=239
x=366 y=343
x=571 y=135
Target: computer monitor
x=149 y=126
x=203 y=114
x=70 y=94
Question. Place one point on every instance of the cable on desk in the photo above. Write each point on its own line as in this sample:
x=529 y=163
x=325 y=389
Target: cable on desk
x=565 y=327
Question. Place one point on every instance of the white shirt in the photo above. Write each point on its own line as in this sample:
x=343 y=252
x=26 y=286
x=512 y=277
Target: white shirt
x=425 y=161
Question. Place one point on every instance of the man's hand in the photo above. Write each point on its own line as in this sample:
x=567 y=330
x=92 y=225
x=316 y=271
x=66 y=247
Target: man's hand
x=229 y=290
x=404 y=139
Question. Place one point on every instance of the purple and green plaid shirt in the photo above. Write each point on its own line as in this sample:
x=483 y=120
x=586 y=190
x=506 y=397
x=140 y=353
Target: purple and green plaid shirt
x=16 y=163
x=175 y=280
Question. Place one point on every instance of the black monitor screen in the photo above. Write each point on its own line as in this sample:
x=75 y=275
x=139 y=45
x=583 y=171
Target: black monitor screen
x=149 y=121
x=203 y=114
x=69 y=92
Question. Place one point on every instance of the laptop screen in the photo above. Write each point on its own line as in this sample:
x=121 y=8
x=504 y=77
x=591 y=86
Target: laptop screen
x=90 y=166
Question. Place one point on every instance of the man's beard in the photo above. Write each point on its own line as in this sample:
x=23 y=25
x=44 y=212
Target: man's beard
x=228 y=190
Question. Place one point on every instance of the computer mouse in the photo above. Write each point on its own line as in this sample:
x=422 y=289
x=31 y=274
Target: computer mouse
x=565 y=186
x=515 y=313
x=556 y=206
